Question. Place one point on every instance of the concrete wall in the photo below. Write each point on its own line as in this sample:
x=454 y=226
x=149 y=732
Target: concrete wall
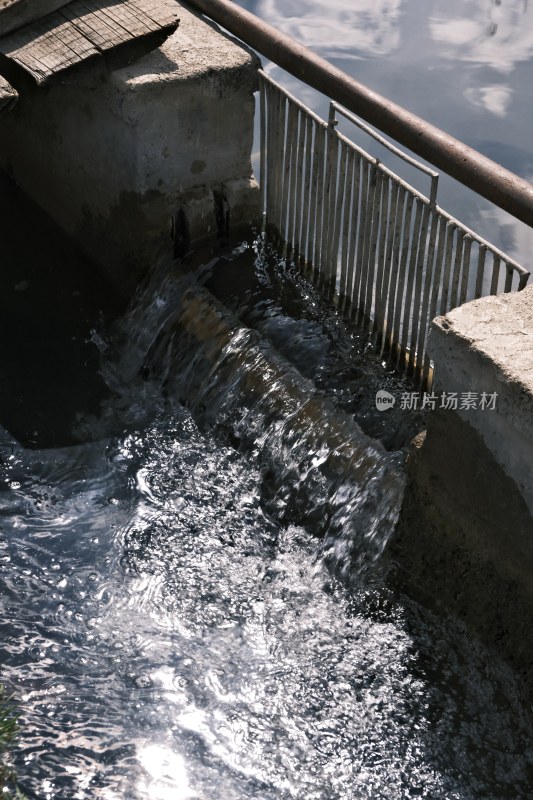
x=465 y=540
x=136 y=163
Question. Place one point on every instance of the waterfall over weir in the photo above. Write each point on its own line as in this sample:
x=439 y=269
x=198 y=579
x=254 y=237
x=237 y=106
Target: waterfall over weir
x=173 y=625
x=322 y=470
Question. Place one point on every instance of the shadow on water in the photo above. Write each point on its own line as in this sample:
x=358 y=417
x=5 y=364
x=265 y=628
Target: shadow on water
x=169 y=628
x=51 y=301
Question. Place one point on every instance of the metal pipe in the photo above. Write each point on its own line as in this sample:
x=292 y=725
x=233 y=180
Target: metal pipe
x=479 y=173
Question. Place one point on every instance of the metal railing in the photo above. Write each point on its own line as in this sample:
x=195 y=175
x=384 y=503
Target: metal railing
x=445 y=152
x=386 y=254
x=389 y=256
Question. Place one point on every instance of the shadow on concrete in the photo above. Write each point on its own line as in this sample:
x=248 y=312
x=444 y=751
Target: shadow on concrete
x=51 y=298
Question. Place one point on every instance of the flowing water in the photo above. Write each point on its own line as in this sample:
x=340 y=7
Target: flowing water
x=194 y=603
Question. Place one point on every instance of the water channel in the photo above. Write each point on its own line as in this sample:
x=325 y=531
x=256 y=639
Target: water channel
x=172 y=625
x=185 y=614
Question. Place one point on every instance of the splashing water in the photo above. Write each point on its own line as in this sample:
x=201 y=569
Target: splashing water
x=170 y=626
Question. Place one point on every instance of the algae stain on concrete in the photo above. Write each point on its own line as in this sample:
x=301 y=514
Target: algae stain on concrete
x=197 y=167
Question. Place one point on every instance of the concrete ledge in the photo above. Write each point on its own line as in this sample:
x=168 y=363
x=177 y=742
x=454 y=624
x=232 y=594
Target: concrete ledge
x=487 y=346
x=138 y=163
x=465 y=538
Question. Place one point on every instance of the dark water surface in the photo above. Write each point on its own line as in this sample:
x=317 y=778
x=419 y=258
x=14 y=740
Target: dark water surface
x=463 y=65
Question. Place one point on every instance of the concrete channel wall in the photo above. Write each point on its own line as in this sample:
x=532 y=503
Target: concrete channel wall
x=465 y=541
x=137 y=163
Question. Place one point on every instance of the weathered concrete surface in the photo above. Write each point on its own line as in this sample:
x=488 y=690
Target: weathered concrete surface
x=8 y=95
x=465 y=539
x=137 y=163
x=487 y=346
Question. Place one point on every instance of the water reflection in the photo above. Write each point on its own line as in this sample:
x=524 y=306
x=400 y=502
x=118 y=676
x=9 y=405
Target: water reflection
x=495 y=98
x=497 y=34
x=351 y=29
x=493 y=38
x=517 y=239
x=464 y=65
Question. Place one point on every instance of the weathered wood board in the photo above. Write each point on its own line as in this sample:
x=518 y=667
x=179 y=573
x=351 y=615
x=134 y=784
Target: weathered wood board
x=16 y=13
x=8 y=96
x=82 y=29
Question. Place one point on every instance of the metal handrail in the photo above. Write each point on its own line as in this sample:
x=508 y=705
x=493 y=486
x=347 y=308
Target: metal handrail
x=355 y=120
x=479 y=173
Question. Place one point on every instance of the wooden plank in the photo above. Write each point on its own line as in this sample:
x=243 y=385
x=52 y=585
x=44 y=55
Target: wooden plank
x=85 y=28
x=111 y=24
x=46 y=47
x=8 y=95
x=16 y=13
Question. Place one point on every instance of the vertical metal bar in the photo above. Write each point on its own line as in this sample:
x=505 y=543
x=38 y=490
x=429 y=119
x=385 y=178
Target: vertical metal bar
x=454 y=294
x=284 y=159
x=381 y=314
x=508 y=279
x=313 y=195
x=269 y=155
x=385 y=208
x=274 y=156
x=339 y=211
x=429 y=275
x=522 y=281
x=355 y=224
x=408 y=278
x=286 y=154
x=324 y=267
x=307 y=192
x=368 y=297
x=319 y=199
x=433 y=305
x=447 y=268
x=276 y=160
x=330 y=196
x=299 y=195
x=414 y=294
x=292 y=148
x=367 y=244
x=394 y=270
x=480 y=272
x=346 y=222
x=439 y=266
x=321 y=202
x=496 y=261
x=399 y=309
x=465 y=269
x=262 y=145
x=364 y=215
